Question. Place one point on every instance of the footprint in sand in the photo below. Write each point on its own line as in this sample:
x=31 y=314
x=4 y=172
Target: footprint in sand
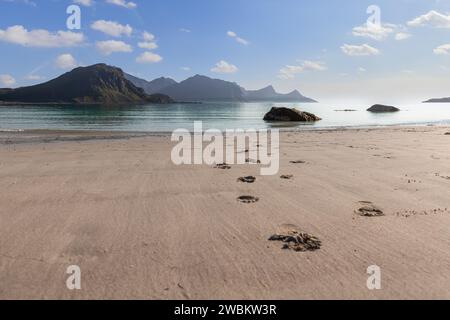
x=222 y=166
x=410 y=213
x=369 y=210
x=249 y=179
x=443 y=177
x=247 y=199
x=298 y=162
x=287 y=176
x=295 y=239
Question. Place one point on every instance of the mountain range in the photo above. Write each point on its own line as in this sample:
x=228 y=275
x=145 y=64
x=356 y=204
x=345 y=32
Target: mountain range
x=103 y=84
x=202 y=88
x=96 y=84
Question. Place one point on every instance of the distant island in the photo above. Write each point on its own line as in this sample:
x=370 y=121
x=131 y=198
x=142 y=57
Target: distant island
x=104 y=84
x=203 y=88
x=96 y=84
x=439 y=100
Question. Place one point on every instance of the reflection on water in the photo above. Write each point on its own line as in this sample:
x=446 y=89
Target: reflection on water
x=166 y=118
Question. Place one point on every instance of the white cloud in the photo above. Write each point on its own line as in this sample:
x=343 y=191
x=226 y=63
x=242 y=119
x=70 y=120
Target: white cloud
x=361 y=69
x=34 y=77
x=289 y=71
x=148 y=45
x=148 y=42
x=123 y=3
x=86 y=3
x=442 y=50
x=147 y=36
x=363 y=50
x=28 y=2
x=232 y=34
x=224 y=67
x=402 y=36
x=186 y=68
x=433 y=19
x=112 y=28
x=66 y=61
x=7 y=80
x=111 y=46
x=40 y=38
x=376 y=32
x=185 y=30
x=148 y=57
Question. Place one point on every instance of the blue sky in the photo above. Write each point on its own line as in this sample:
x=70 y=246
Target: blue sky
x=323 y=48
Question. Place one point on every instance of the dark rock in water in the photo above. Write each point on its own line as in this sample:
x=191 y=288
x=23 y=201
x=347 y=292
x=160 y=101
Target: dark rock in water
x=382 y=108
x=439 y=100
x=286 y=114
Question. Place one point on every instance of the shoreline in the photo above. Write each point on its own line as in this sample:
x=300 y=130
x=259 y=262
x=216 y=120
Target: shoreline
x=18 y=136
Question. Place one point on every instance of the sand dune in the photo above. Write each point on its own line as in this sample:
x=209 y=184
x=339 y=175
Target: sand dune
x=141 y=227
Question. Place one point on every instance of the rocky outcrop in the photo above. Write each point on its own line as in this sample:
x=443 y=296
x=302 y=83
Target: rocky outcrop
x=438 y=100
x=286 y=114
x=379 y=108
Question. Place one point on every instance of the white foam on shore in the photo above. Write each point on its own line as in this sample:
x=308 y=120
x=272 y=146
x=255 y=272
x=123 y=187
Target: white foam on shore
x=11 y=130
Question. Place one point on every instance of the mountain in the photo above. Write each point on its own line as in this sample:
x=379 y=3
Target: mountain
x=151 y=87
x=202 y=88
x=269 y=94
x=96 y=84
x=441 y=100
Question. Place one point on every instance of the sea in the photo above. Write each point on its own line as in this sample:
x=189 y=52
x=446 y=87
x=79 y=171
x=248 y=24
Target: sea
x=214 y=115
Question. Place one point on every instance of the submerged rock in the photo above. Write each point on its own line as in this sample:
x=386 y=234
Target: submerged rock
x=286 y=114
x=382 y=108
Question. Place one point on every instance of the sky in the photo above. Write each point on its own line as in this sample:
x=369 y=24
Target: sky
x=329 y=50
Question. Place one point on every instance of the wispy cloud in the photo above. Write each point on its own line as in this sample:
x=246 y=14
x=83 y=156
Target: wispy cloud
x=123 y=3
x=362 y=50
x=433 y=19
x=7 y=80
x=240 y=40
x=442 y=50
x=86 y=3
x=289 y=71
x=27 y=2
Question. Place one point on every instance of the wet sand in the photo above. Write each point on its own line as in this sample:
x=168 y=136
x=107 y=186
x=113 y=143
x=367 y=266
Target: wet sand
x=140 y=227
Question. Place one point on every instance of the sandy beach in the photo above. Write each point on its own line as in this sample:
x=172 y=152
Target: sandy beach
x=140 y=227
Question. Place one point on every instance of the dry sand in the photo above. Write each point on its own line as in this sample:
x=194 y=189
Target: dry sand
x=141 y=227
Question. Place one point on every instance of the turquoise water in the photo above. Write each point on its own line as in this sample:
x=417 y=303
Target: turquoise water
x=166 y=118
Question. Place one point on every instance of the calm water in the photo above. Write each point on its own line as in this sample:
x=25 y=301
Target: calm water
x=165 y=118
